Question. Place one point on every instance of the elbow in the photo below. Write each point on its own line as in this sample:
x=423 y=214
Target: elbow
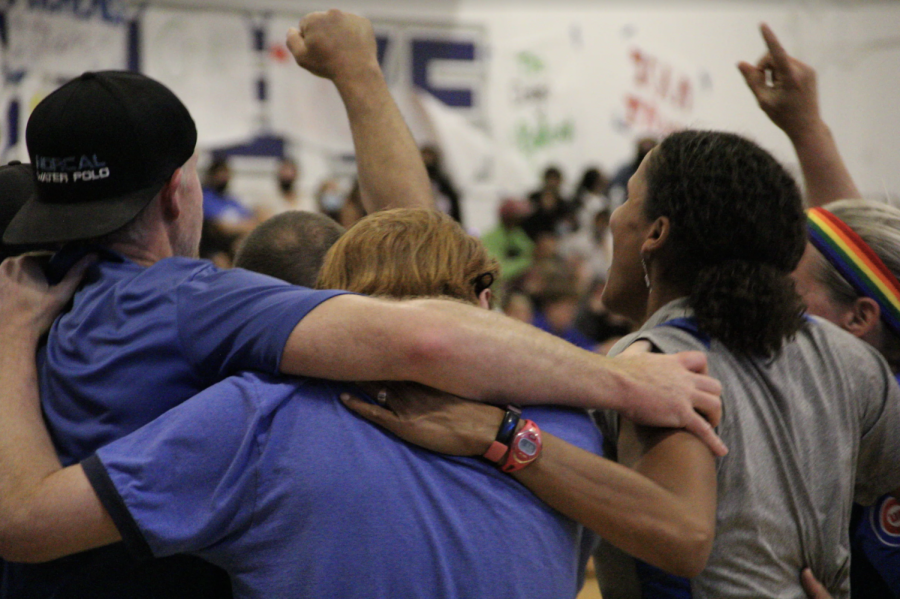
x=691 y=549
x=20 y=546
x=23 y=539
x=428 y=346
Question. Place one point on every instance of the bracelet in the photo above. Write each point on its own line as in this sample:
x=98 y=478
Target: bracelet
x=505 y=434
x=524 y=449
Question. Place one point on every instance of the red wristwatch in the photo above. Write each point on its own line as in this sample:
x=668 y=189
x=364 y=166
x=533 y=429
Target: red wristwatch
x=524 y=449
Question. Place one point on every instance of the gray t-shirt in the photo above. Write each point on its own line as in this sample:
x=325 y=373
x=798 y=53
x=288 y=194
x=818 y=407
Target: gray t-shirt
x=809 y=431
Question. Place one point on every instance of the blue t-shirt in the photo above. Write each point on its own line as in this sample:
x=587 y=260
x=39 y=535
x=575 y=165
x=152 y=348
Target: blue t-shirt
x=875 y=549
x=223 y=207
x=296 y=496
x=572 y=335
x=137 y=342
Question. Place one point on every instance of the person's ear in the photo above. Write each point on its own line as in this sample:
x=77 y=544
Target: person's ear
x=862 y=317
x=657 y=235
x=170 y=196
x=484 y=299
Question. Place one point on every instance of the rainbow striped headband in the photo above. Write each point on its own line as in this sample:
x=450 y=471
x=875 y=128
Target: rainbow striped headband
x=856 y=262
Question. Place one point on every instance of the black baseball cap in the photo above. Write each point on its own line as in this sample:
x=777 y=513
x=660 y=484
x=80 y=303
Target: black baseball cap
x=101 y=147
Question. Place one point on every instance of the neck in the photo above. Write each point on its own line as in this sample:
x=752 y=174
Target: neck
x=661 y=294
x=145 y=254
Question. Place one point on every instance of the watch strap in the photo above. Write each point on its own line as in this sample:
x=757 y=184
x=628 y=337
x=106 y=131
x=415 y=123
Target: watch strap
x=505 y=435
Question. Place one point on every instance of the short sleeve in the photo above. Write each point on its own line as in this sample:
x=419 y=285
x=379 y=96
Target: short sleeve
x=187 y=479
x=233 y=320
x=878 y=464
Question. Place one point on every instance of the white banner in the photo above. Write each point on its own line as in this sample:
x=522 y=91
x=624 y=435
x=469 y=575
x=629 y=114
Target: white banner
x=62 y=43
x=206 y=58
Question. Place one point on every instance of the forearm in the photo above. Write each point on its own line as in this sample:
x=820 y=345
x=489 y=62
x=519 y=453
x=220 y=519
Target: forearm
x=451 y=346
x=826 y=176
x=26 y=453
x=627 y=509
x=389 y=165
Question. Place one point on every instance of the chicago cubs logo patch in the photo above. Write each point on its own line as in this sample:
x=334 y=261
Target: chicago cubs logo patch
x=885 y=520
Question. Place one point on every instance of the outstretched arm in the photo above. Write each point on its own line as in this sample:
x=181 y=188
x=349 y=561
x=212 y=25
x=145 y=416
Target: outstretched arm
x=47 y=511
x=483 y=355
x=792 y=102
x=341 y=47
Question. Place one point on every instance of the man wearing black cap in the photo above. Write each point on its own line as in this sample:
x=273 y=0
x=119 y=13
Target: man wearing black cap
x=114 y=171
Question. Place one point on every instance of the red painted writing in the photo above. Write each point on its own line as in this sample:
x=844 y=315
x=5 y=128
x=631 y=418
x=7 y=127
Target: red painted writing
x=662 y=81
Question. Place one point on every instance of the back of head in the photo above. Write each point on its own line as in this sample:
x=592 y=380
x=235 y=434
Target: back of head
x=102 y=146
x=878 y=225
x=290 y=246
x=405 y=253
x=737 y=232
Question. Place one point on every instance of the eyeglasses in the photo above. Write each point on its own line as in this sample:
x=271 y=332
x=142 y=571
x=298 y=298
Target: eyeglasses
x=482 y=282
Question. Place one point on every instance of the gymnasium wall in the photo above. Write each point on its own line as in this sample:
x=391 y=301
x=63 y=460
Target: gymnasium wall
x=509 y=89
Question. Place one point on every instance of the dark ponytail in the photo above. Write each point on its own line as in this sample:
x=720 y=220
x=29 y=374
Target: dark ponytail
x=737 y=232
x=750 y=307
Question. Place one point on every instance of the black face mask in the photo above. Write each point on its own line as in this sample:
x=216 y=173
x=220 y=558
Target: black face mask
x=220 y=188
x=286 y=185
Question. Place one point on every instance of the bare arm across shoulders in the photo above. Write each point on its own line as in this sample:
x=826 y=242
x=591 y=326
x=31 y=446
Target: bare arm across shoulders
x=45 y=511
x=341 y=47
x=792 y=103
x=483 y=355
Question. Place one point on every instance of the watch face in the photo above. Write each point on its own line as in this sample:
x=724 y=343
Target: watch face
x=527 y=446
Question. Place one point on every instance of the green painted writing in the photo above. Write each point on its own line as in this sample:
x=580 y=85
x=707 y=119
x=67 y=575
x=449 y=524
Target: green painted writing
x=530 y=62
x=530 y=139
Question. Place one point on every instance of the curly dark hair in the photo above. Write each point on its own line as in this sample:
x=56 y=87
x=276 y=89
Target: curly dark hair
x=737 y=232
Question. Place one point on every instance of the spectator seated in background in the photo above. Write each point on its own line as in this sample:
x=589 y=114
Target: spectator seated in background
x=519 y=306
x=225 y=219
x=290 y=246
x=287 y=195
x=590 y=197
x=557 y=307
x=296 y=496
x=590 y=248
x=330 y=198
x=596 y=322
x=508 y=243
x=550 y=212
x=446 y=198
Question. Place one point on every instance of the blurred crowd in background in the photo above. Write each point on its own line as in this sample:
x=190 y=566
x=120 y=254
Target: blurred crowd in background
x=553 y=242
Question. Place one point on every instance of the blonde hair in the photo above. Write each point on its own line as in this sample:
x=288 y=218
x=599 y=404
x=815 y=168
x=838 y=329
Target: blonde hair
x=405 y=253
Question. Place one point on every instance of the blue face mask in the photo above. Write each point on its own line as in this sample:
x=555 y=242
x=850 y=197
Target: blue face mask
x=331 y=201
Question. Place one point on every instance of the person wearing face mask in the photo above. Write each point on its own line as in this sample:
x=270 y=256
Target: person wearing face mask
x=288 y=195
x=225 y=219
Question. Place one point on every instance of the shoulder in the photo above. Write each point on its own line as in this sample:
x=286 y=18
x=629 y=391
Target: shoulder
x=855 y=359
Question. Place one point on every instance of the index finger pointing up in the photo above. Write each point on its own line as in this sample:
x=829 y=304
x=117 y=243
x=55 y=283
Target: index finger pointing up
x=779 y=54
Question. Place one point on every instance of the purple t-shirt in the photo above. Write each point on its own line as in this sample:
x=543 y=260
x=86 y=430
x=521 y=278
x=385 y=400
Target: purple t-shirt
x=296 y=496
x=139 y=341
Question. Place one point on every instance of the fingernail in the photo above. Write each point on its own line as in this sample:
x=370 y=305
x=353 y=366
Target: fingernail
x=345 y=397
